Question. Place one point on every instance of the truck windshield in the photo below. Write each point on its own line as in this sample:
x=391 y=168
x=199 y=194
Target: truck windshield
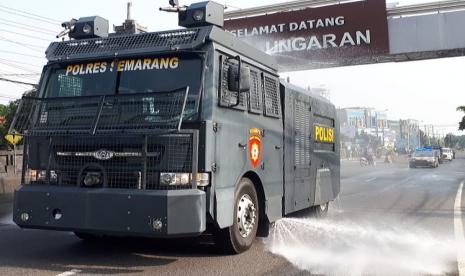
x=423 y=154
x=149 y=74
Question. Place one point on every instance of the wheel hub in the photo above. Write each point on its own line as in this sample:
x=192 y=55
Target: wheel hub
x=246 y=215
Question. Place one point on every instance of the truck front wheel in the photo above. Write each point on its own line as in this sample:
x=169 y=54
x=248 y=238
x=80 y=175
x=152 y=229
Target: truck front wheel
x=239 y=237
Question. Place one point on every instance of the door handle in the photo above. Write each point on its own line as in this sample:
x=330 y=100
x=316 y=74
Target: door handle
x=277 y=147
x=242 y=146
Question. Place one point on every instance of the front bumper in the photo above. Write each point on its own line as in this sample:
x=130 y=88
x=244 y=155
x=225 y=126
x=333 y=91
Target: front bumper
x=111 y=211
x=422 y=163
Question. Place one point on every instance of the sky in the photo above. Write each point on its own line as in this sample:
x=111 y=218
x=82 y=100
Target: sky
x=428 y=91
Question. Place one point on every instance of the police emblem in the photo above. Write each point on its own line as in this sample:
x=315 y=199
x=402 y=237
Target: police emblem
x=255 y=146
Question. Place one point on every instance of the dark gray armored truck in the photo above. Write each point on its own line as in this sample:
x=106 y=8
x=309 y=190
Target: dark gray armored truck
x=168 y=134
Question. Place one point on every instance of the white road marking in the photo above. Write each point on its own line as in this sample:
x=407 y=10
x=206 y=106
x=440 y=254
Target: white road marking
x=70 y=272
x=370 y=179
x=459 y=232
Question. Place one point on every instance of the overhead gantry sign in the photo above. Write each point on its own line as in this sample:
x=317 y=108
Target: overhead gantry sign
x=306 y=35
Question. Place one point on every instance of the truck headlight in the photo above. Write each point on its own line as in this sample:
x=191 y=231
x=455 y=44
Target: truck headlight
x=42 y=175
x=37 y=175
x=176 y=179
x=32 y=175
x=203 y=179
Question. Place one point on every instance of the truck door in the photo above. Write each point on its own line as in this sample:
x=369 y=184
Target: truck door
x=302 y=152
x=299 y=187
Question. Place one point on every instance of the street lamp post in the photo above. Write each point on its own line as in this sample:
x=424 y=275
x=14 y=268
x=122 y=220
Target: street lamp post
x=408 y=135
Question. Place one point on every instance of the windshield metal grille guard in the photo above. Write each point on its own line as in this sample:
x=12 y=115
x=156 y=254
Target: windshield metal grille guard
x=92 y=115
x=118 y=45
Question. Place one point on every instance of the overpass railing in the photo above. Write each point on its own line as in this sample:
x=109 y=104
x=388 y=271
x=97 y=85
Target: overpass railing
x=433 y=7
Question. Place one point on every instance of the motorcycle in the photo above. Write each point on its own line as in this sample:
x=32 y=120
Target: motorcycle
x=365 y=162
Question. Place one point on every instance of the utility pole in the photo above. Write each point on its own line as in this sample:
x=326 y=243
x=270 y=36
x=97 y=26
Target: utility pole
x=376 y=126
x=432 y=130
x=408 y=135
x=383 y=133
x=426 y=135
x=419 y=134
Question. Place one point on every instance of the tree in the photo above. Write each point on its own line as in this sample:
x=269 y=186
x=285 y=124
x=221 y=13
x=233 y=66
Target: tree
x=8 y=112
x=462 y=123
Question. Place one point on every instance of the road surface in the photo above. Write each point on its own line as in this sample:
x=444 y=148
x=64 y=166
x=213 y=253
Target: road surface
x=395 y=217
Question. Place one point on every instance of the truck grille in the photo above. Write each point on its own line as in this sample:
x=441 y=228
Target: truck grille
x=126 y=162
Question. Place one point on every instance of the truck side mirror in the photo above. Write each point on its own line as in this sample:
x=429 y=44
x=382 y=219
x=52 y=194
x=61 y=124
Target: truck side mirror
x=233 y=78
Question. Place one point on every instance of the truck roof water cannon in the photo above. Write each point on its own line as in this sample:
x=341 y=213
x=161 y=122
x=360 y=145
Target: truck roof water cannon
x=196 y=15
x=85 y=27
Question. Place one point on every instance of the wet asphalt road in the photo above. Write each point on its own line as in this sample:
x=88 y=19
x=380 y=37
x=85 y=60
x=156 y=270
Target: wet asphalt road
x=425 y=197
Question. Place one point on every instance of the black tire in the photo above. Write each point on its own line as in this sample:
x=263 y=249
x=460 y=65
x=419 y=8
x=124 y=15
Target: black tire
x=412 y=166
x=94 y=238
x=230 y=240
x=87 y=236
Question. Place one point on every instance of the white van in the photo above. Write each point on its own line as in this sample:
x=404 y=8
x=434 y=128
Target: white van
x=447 y=154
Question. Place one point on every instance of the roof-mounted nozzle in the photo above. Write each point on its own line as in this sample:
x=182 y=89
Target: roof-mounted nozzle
x=174 y=7
x=198 y=14
x=85 y=27
x=69 y=26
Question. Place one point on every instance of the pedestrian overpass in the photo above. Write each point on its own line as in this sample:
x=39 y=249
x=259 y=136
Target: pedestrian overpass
x=414 y=32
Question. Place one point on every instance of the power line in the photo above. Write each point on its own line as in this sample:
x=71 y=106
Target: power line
x=27 y=27
x=25 y=35
x=18 y=75
x=32 y=14
x=18 y=82
x=26 y=45
x=8 y=97
x=19 y=62
x=18 y=67
x=30 y=76
x=28 y=15
x=20 y=54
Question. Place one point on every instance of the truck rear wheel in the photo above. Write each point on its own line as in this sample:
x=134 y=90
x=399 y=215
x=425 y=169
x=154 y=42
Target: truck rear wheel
x=239 y=237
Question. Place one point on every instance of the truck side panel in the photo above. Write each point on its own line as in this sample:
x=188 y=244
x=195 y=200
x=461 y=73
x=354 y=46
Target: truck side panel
x=236 y=127
x=311 y=160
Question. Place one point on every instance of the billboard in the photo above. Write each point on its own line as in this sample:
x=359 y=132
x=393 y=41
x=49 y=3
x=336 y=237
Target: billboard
x=318 y=36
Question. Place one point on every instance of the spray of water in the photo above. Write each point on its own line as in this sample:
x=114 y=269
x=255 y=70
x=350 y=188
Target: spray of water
x=336 y=246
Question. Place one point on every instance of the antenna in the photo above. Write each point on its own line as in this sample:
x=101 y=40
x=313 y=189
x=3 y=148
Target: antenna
x=129 y=11
x=129 y=26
